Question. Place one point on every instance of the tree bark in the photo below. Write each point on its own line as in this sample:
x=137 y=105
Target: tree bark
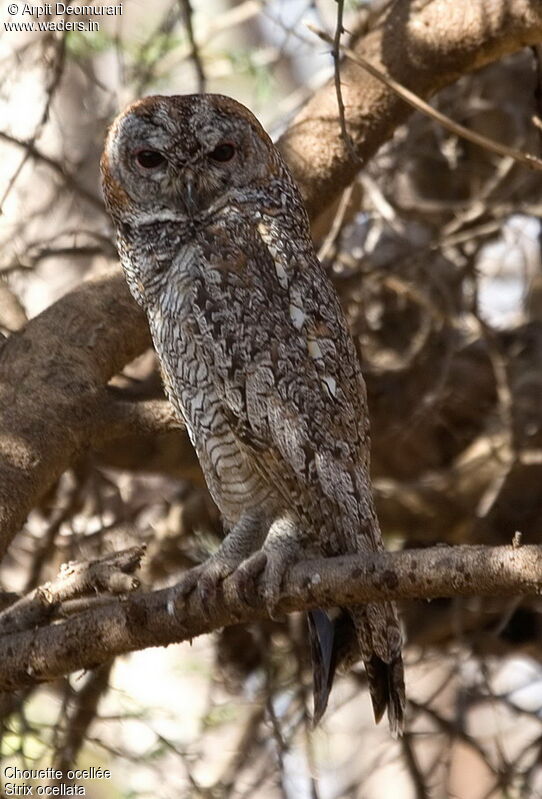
x=160 y=618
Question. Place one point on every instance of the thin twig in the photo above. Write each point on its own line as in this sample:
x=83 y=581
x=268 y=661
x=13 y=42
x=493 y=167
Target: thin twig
x=68 y=179
x=80 y=717
x=336 y=53
x=187 y=12
x=54 y=82
x=526 y=159
x=337 y=224
x=413 y=766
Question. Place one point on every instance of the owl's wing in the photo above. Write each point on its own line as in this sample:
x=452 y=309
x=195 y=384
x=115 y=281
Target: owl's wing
x=287 y=374
x=290 y=385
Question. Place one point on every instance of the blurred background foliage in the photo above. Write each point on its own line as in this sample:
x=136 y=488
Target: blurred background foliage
x=435 y=252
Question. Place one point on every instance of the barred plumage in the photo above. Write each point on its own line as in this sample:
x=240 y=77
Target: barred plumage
x=256 y=356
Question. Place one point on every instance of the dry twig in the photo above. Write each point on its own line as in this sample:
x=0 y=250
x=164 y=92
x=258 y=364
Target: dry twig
x=110 y=574
x=418 y=104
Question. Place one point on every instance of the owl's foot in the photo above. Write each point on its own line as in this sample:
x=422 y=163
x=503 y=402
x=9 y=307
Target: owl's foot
x=206 y=578
x=218 y=568
x=247 y=574
x=279 y=562
x=279 y=552
x=274 y=566
x=238 y=545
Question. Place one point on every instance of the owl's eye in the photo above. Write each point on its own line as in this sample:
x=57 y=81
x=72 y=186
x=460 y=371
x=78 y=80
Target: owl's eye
x=149 y=159
x=223 y=152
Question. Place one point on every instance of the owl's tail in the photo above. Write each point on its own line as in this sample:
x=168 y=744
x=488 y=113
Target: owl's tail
x=372 y=633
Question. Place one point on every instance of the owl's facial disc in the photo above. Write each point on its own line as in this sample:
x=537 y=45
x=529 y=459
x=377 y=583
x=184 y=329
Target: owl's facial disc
x=176 y=157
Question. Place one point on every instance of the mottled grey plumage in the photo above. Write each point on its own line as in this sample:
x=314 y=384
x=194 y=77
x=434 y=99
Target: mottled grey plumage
x=255 y=352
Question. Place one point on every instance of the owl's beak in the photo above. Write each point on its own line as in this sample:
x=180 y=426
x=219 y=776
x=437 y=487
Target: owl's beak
x=189 y=190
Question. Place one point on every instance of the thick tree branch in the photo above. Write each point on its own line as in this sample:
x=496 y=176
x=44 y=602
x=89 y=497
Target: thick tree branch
x=120 y=418
x=161 y=617
x=52 y=375
x=527 y=159
x=424 y=46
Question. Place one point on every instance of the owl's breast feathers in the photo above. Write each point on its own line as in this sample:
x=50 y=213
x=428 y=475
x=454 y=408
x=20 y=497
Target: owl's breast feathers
x=283 y=367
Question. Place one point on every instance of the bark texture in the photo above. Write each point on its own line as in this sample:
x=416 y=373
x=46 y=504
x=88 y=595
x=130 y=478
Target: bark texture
x=160 y=618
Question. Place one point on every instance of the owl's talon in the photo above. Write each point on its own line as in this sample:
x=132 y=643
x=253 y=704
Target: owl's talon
x=282 y=553
x=277 y=564
x=215 y=572
x=205 y=579
x=188 y=582
x=247 y=574
x=272 y=594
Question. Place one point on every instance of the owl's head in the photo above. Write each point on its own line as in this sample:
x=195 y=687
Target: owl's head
x=171 y=157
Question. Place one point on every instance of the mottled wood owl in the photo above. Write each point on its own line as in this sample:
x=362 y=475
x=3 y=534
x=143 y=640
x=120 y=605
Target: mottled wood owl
x=256 y=358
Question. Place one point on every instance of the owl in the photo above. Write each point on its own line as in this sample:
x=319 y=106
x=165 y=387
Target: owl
x=256 y=358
